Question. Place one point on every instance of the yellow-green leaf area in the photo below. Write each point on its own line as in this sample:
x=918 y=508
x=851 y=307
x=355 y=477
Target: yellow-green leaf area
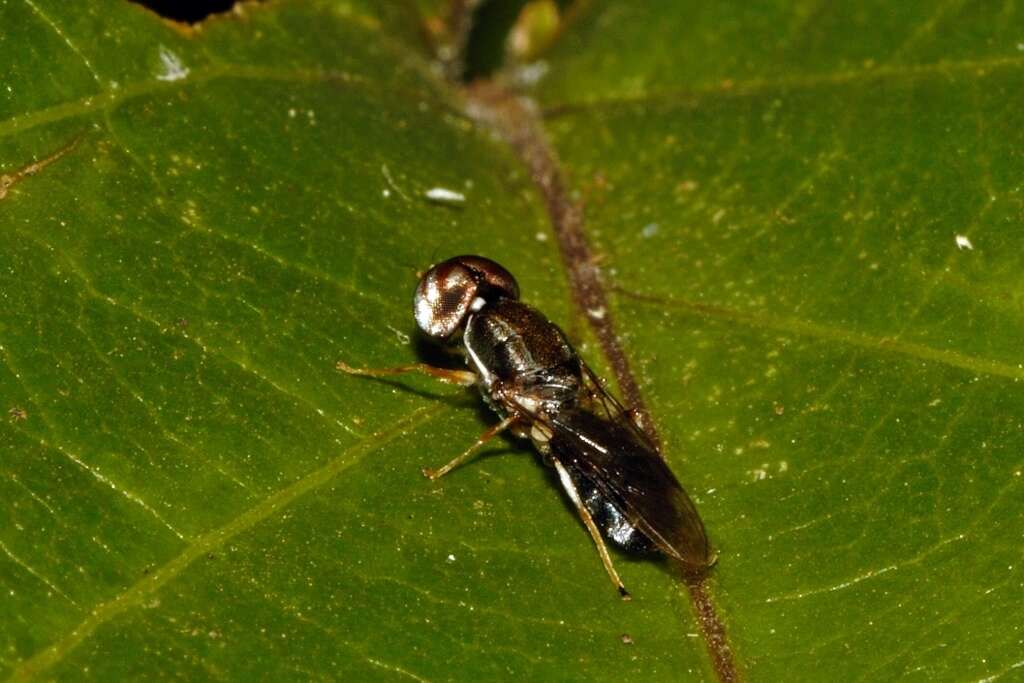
x=810 y=218
x=198 y=224
x=807 y=221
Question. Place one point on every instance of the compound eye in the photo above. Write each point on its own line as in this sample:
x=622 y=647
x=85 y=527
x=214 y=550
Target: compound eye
x=493 y=281
x=450 y=291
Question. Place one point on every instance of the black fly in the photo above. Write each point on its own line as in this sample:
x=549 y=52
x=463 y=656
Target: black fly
x=543 y=391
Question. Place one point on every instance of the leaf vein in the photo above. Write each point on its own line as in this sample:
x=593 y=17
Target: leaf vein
x=28 y=568
x=134 y=310
x=67 y=40
x=269 y=506
x=981 y=366
x=91 y=469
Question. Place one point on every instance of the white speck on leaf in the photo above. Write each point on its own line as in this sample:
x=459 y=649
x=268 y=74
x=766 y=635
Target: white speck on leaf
x=764 y=471
x=445 y=196
x=597 y=313
x=451 y=558
x=649 y=230
x=172 y=67
x=962 y=242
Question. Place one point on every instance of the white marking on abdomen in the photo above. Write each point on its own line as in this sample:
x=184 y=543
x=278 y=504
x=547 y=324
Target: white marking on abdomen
x=570 y=488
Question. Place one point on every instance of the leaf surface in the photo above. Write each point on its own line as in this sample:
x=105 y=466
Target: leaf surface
x=811 y=217
x=199 y=223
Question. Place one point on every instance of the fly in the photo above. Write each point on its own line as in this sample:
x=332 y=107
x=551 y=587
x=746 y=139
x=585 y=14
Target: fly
x=530 y=375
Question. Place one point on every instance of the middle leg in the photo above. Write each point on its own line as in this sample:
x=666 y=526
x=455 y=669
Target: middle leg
x=471 y=451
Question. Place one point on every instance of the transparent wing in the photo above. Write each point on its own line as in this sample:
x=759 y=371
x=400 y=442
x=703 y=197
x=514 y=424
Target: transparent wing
x=603 y=403
x=593 y=396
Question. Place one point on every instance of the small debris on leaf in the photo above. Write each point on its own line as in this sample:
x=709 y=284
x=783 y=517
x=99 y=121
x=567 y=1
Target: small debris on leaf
x=443 y=195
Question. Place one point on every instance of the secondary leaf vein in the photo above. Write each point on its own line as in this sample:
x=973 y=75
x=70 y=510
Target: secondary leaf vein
x=808 y=328
x=211 y=540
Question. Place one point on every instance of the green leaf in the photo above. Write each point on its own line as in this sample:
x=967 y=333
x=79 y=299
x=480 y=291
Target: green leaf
x=198 y=223
x=811 y=215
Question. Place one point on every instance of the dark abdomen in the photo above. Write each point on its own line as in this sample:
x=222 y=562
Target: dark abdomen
x=609 y=519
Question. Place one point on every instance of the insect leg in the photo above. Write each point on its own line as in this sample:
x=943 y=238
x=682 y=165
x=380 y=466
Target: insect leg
x=469 y=452
x=462 y=377
x=588 y=521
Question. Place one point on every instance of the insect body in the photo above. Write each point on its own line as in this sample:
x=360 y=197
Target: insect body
x=529 y=373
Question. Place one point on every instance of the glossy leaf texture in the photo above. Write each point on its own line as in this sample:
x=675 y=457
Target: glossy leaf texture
x=808 y=219
x=811 y=218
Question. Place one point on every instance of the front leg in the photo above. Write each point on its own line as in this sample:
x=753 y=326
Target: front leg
x=461 y=377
